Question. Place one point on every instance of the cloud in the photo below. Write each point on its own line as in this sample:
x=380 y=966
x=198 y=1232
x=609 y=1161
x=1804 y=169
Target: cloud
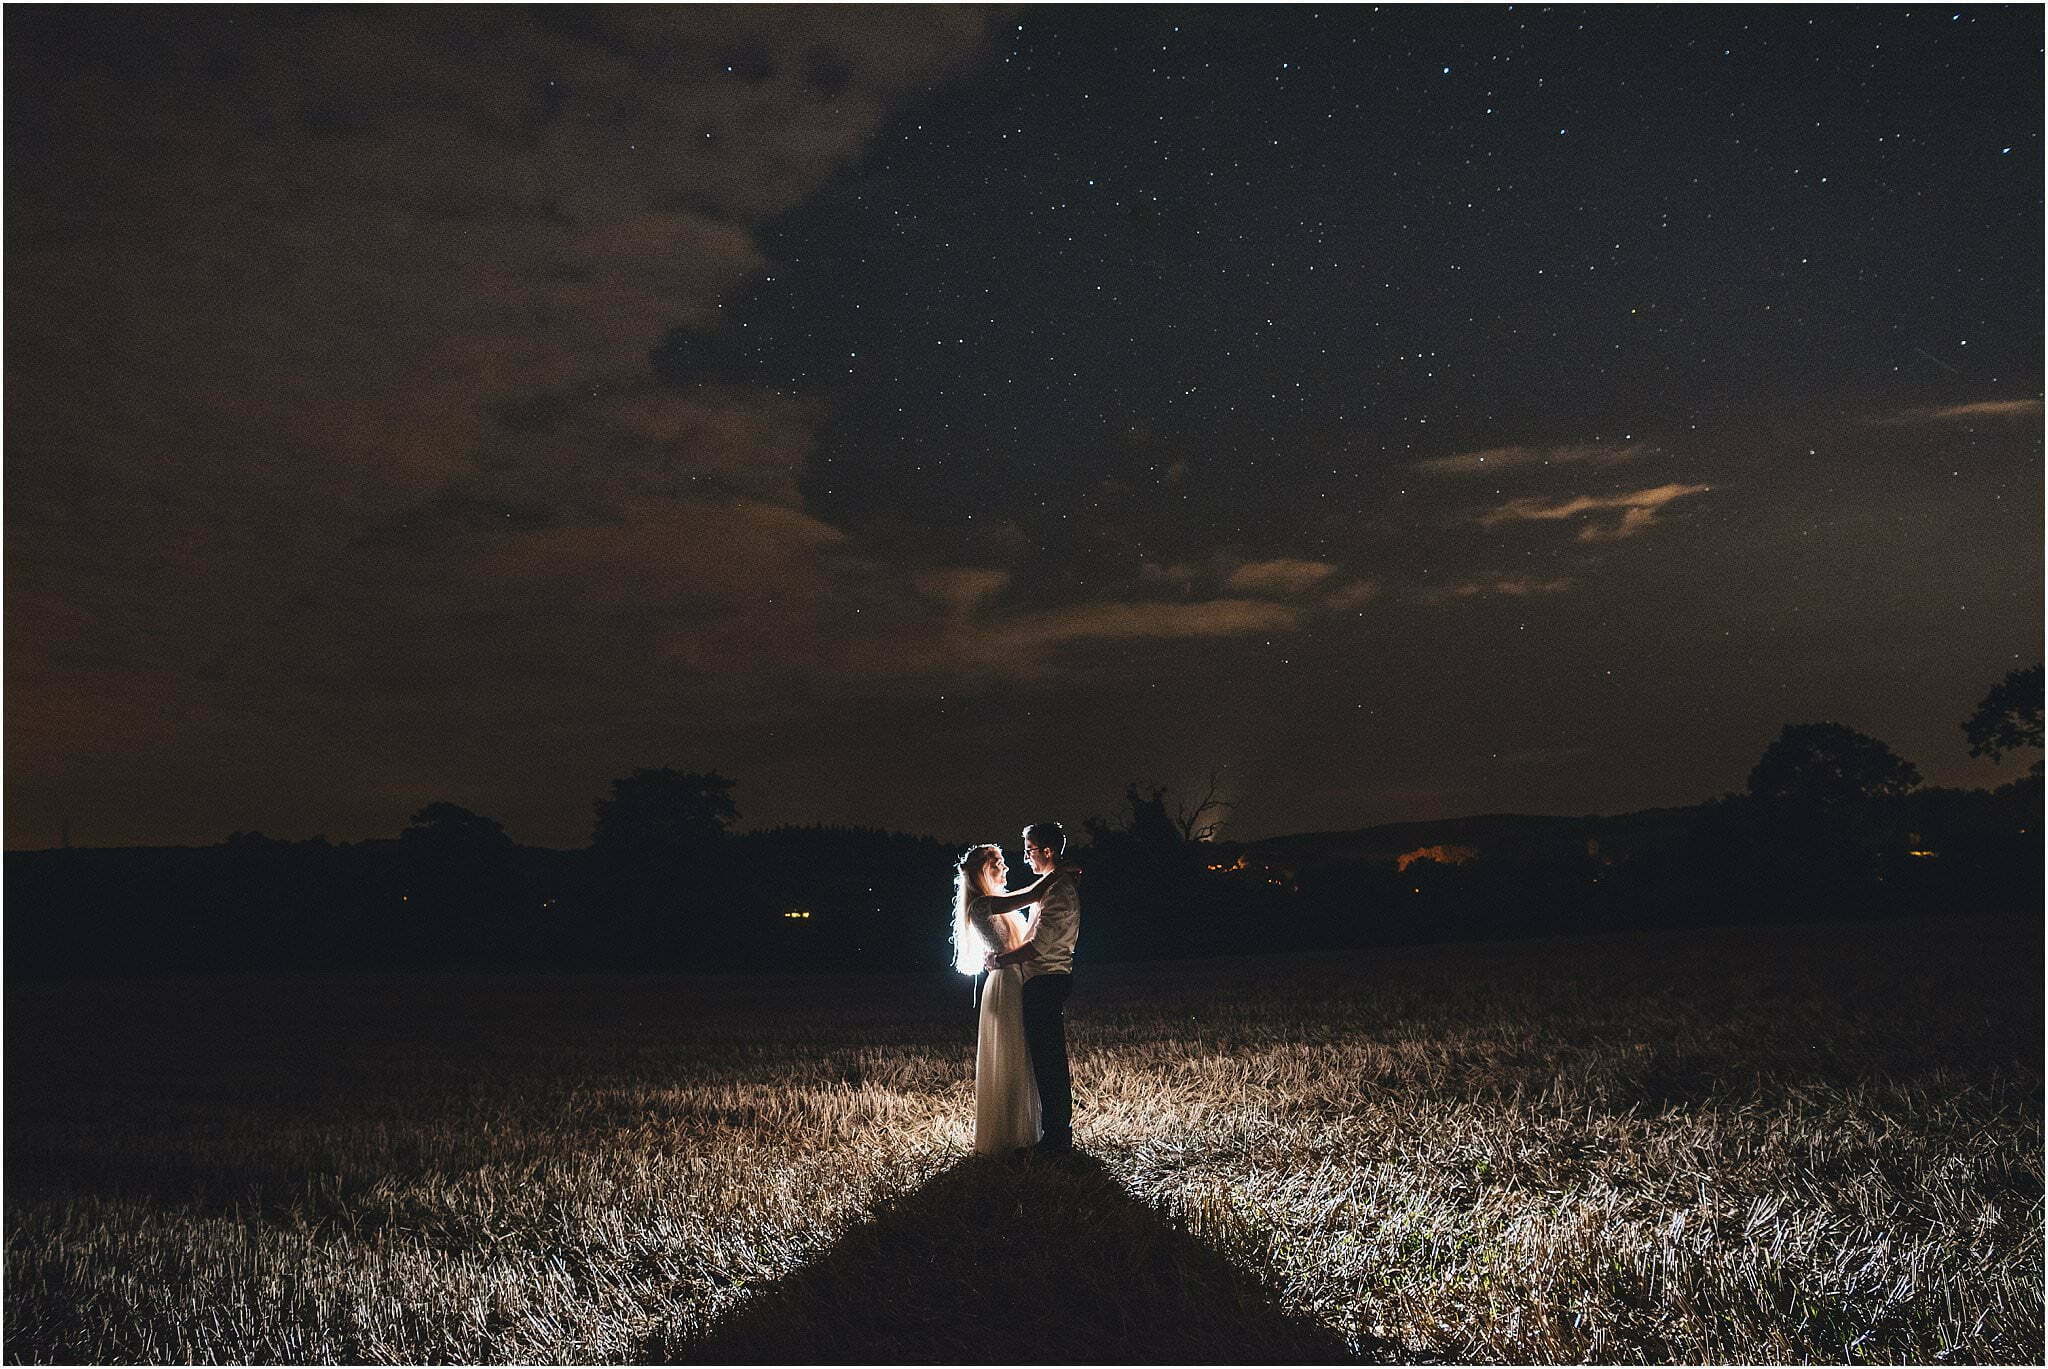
x=1509 y=586
x=1499 y=458
x=1956 y=413
x=660 y=550
x=1516 y=587
x=1209 y=618
x=959 y=642
x=329 y=406
x=1351 y=595
x=1639 y=510
x=1285 y=575
x=962 y=587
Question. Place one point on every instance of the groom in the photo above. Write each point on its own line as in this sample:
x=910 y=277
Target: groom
x=1047 y=963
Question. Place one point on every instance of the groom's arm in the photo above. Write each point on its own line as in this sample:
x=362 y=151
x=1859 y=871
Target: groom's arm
x=1055 y=901
x=1016 y=957
x=1054 y=892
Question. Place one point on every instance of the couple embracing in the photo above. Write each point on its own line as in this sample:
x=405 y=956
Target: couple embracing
x=1023 y=1099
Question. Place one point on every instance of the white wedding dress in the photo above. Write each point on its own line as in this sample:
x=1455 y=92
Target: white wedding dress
x=1005 y=1092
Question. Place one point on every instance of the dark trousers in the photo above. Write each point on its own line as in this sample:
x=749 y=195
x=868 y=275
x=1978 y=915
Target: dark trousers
x=1045 y=1032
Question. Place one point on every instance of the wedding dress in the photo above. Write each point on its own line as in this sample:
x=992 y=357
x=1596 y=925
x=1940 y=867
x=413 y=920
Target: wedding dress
x=1005 y=1092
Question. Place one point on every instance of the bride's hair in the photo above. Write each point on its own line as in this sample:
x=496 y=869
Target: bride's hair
x=967 y=944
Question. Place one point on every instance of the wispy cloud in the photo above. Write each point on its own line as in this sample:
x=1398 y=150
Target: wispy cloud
x=1498 y=458
x=1513 y=586
x=1956 y=413
x=1639 y=510
x=1210 y=618
x=1517 y=586
x=1285 y=575
x=962 y=587
x=1352 y=595
x=962 y=640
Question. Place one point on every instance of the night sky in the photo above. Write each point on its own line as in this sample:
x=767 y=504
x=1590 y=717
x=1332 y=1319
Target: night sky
x=936 y=419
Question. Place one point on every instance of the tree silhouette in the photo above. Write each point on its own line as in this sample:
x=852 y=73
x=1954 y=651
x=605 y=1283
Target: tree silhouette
x=2008 y=718
x=663 y=813
x=660 y=868
x=451 y=827
x=458 y=889
x=1200 y=821
x=1151 y=824
x=1824 y=766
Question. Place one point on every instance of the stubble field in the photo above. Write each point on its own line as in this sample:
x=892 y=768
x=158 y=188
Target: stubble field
x=1785 y=1145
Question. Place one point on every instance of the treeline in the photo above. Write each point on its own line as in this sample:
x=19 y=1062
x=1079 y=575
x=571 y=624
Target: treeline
x=1832 y=824
x=663 y=886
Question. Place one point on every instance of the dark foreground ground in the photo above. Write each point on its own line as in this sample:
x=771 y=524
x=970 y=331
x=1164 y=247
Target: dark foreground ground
x=1758 y=1145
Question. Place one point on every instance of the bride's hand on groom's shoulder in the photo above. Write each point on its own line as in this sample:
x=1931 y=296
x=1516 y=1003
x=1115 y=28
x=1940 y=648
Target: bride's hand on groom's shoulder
x=1075 y=870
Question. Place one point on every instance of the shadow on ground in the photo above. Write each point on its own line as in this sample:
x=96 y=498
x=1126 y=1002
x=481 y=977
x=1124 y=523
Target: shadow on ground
x=1018 y=1262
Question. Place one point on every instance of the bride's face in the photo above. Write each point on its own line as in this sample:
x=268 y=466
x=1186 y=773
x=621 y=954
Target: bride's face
x=995 y=874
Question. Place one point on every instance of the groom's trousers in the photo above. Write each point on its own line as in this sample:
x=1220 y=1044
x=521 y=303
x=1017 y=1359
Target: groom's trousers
x=1045 y=1032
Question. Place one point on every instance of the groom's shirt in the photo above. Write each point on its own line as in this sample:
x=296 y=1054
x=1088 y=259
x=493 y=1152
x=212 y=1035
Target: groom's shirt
x=1059 y=926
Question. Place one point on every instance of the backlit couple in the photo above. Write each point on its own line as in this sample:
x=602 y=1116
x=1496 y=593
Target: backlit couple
x=1023 y=1098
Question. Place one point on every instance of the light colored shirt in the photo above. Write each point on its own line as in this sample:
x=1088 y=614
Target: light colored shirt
x=1059 y=927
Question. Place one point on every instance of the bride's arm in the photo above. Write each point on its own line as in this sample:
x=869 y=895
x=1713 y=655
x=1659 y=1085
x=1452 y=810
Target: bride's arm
x=1024 y=950
x=1021 y=947
x=1006 y=903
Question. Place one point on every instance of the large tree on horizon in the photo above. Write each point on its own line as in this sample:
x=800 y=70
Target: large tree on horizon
x=654 y=813
x=2008 y=718
x=1827 y=766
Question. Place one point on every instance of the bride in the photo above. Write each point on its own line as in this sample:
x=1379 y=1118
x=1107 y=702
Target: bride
x=986 y=922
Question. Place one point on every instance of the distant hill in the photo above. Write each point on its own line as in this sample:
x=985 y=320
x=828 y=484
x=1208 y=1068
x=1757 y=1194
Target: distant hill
x=1513 y=835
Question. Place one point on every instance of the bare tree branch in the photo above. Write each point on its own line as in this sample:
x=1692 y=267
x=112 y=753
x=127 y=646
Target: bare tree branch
x=1194 y=823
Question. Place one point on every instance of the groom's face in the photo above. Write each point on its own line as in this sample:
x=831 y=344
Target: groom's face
x=1041 y=858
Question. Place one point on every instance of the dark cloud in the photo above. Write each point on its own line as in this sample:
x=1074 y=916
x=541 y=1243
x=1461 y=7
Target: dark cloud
x=328 y=367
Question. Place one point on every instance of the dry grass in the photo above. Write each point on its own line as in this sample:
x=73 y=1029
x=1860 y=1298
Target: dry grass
x=1764 y=1146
